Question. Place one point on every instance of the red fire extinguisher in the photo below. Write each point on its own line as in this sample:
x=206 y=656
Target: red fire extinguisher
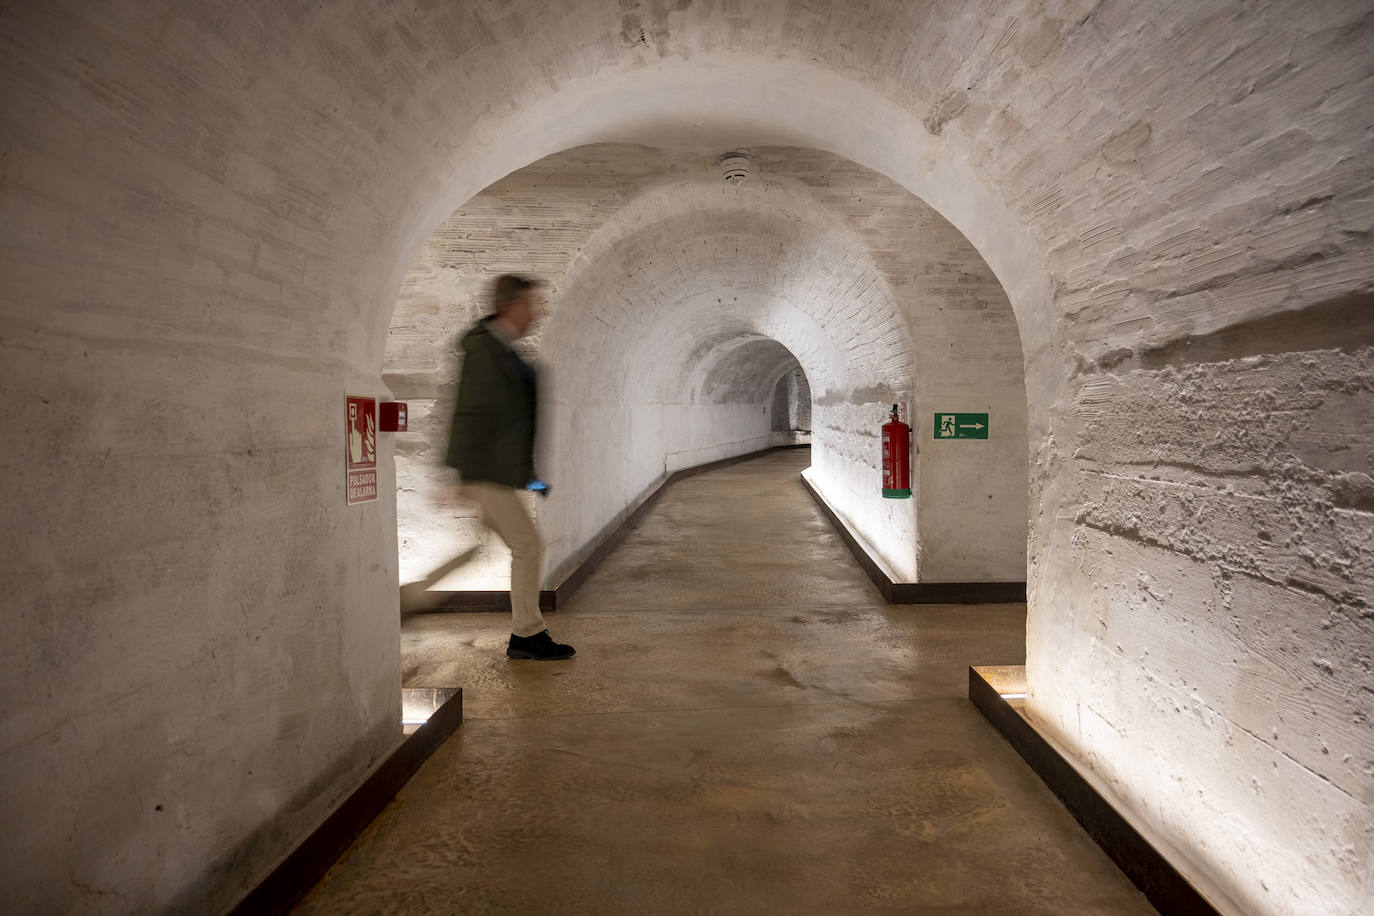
x=896 y=458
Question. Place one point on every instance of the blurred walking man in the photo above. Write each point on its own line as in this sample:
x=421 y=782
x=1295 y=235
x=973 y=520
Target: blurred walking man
x=492 y=446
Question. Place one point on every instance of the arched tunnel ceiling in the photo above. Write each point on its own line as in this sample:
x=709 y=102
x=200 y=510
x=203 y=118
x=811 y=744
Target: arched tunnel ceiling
x=746 y=369
x=1030 y=127
x=652 y=250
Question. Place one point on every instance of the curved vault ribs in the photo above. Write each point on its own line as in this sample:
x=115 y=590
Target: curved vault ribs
x=853 y=119
x=667 y=273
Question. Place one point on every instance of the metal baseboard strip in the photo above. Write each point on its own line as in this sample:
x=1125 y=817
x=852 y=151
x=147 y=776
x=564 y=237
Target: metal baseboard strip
x=917 y=592
x=551 y=599
x=303 y=868
x=1156 y=877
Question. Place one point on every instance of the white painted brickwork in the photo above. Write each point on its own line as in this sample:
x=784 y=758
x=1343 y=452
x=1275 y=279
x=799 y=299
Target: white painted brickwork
x=208 y=219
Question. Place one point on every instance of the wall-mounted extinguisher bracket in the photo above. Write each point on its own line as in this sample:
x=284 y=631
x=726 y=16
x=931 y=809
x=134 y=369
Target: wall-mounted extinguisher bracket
x=896 y=458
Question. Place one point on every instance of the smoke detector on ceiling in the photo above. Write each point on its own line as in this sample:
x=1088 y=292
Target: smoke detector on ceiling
x=734 y=166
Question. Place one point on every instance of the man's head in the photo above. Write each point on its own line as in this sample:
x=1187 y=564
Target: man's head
x=514 y=300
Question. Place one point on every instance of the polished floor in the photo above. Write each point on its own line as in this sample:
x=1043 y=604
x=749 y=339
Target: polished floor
x=746 y=729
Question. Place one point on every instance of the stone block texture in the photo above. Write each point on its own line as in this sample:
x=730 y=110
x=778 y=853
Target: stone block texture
x=209 y=220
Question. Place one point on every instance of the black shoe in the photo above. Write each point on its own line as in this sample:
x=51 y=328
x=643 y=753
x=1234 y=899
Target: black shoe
x=539 y=646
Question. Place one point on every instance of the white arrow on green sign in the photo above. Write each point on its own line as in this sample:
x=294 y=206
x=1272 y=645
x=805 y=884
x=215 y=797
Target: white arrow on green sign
x=961 y=426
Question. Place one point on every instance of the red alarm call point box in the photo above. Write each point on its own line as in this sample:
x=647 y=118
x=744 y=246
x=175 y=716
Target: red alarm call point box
x=393 y=416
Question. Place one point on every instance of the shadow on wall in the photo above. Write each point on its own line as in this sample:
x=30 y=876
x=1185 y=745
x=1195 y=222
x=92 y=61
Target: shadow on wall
x=417 y=597
x=791 y=409
x=792 y=402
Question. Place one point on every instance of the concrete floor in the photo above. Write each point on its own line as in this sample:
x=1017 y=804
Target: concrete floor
x=746 y=728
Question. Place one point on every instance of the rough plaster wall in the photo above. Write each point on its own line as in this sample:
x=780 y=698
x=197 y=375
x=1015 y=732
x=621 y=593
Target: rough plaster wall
x=1204 y=686
x=199 y=647
x=965 y=532
x=256 y=186
x=632 y=240
x=1224 y=567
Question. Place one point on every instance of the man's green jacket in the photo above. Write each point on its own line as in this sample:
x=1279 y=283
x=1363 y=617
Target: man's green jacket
x=492 y=437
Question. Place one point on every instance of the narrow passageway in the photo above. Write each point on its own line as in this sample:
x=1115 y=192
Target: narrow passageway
x=747 y=728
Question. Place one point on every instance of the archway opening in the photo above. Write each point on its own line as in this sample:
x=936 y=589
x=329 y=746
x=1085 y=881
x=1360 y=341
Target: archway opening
x=691 y=319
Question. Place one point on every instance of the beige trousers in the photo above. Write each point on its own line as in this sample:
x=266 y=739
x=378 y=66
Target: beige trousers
x=503 y=513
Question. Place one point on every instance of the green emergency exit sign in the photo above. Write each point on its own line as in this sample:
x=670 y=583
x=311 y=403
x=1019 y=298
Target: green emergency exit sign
x=961 y=426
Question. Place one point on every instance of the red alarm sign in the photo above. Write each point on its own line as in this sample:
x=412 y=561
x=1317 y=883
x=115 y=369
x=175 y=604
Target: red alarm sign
x=360 y=448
